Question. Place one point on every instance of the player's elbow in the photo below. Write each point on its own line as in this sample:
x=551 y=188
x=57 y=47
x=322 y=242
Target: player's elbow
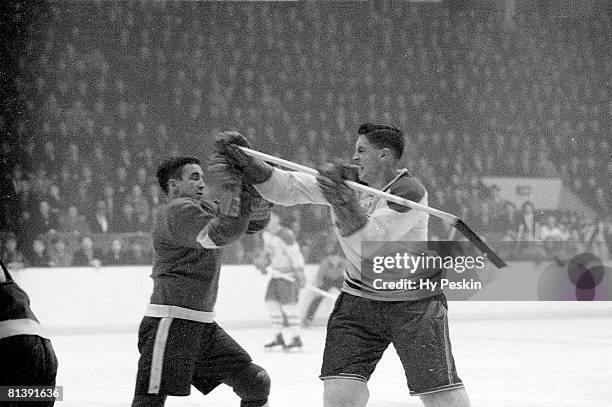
x=221 y=235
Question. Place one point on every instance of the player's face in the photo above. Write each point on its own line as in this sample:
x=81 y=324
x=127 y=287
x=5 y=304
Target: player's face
x=192 y=183
x=367 y=157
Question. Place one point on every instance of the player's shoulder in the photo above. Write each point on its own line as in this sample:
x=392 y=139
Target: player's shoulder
x=186 y=204
x=407 y=187
x=181 y=202
x=286 y=235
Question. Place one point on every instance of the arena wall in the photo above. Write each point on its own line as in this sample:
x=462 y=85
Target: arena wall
x=88 y=300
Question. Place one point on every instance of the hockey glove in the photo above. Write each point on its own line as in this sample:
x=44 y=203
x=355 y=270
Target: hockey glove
x=350 y=172
x=222 y=173
x=350 y=216
x=260 y=215
x=254 y=170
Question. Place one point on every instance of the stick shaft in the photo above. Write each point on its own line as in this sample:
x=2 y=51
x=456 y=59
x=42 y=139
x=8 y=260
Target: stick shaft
x=364 y=188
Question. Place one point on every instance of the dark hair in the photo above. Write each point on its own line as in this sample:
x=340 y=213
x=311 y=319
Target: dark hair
x=172 y=168
x=384 y=136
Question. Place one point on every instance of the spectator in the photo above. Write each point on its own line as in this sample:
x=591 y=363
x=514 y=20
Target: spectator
x=50 y=158
x=55 y=199
x=120 y=184
x=508 y=221
x=527 y=222
x=39 y=256
x=59 y=255
x=84 y=199
x=112 y=209
x=74 y=223
x=551 y=230
x=26 y=198
x=87 y=255
x=127 y=220
x=608 y=234
x=481 y=221
x=599 y=245
x=139 y=256
x=11 y=255
x=100 y=222
x=141 y=208
x=116 y=255
x=155 y=202
x=44 y=220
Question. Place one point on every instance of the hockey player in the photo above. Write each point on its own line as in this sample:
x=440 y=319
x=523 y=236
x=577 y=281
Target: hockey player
x=282 y=260
x=365 y=319
x=330 y=277
x=27 y=357
x=180 y=344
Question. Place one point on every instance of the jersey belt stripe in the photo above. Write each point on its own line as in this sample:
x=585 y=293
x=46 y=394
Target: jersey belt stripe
x=159 y=347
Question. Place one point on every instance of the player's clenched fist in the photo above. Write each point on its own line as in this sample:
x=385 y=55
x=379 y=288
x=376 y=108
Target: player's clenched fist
x=254 y=170
x=231 y=137
x=222 y=172
x=350 y=215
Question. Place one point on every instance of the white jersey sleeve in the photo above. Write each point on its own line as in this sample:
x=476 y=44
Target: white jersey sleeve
x=288 y=188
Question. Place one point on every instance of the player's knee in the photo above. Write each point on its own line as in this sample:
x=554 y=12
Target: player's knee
x=345 y=393
x=252 y=385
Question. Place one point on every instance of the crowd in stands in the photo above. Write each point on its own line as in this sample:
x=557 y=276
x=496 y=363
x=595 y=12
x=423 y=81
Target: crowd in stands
x=109 y=89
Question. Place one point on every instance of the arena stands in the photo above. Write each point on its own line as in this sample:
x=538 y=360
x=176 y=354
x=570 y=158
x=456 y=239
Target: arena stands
x=109 y=89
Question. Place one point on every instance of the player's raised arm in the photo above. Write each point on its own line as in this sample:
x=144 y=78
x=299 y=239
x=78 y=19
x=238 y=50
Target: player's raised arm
x=189 y=220
x=275 y=185
x=196 y=224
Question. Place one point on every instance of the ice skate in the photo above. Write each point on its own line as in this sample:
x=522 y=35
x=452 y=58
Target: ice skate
x=278 y=341
x=295 y=344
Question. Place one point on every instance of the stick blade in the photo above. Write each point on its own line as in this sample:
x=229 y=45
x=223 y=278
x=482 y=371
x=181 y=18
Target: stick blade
x=479 y=243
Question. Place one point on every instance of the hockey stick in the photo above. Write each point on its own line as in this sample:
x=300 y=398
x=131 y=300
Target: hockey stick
x=277 y=274
x=447 y=217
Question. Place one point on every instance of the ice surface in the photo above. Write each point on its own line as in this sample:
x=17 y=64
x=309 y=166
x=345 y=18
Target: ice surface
x=531 y=361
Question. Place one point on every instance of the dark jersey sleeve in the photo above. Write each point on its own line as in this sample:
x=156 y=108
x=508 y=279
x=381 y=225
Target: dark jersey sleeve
x=186 y=219
x=191 y=223
x=406 y=187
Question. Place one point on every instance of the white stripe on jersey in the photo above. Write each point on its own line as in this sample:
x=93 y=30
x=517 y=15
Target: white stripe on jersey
x=159 y=347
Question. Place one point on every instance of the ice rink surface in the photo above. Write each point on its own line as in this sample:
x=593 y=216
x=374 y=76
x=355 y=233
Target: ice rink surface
x=528 y=361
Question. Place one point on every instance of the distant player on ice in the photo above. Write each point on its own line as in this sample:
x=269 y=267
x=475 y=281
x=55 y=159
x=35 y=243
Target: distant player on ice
x=282 y=260
x=329 y=278
x=365 y=320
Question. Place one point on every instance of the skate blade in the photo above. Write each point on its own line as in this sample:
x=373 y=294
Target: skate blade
x=276 y=348
x=295 y=349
